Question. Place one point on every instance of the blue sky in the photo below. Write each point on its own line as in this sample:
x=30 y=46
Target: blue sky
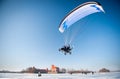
x=29 y=35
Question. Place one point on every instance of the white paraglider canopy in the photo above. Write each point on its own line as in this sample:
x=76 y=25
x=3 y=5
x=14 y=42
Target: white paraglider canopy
x=78 y=13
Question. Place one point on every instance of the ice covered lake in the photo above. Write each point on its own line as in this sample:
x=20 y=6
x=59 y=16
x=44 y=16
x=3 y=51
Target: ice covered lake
x=111 y=75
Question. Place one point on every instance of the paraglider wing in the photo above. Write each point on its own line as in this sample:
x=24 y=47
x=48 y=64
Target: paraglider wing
x=78 y=13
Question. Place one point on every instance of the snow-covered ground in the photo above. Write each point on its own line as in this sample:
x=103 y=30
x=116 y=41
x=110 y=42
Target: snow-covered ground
x=112 y=75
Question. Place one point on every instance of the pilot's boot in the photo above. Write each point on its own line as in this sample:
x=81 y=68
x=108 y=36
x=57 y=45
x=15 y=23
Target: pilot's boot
x=64 y=53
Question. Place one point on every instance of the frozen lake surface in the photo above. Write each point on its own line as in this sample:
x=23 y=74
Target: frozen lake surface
x=111 y=75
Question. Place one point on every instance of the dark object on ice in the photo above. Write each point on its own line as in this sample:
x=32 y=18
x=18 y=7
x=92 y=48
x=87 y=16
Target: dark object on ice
x=39 y=74
x=66 y=49
x=71 y=73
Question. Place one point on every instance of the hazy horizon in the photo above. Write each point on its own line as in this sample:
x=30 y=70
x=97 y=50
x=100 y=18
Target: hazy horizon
x=29 y=35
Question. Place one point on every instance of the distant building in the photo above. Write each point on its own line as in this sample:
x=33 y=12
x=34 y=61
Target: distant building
x=54 y=69
x=43 y=70
x=34 y=70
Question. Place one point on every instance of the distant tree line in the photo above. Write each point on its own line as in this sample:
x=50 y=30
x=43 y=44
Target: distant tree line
x=104 y=70
x=63 y=70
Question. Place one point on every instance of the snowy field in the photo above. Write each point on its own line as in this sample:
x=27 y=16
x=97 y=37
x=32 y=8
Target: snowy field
x=112 y=75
